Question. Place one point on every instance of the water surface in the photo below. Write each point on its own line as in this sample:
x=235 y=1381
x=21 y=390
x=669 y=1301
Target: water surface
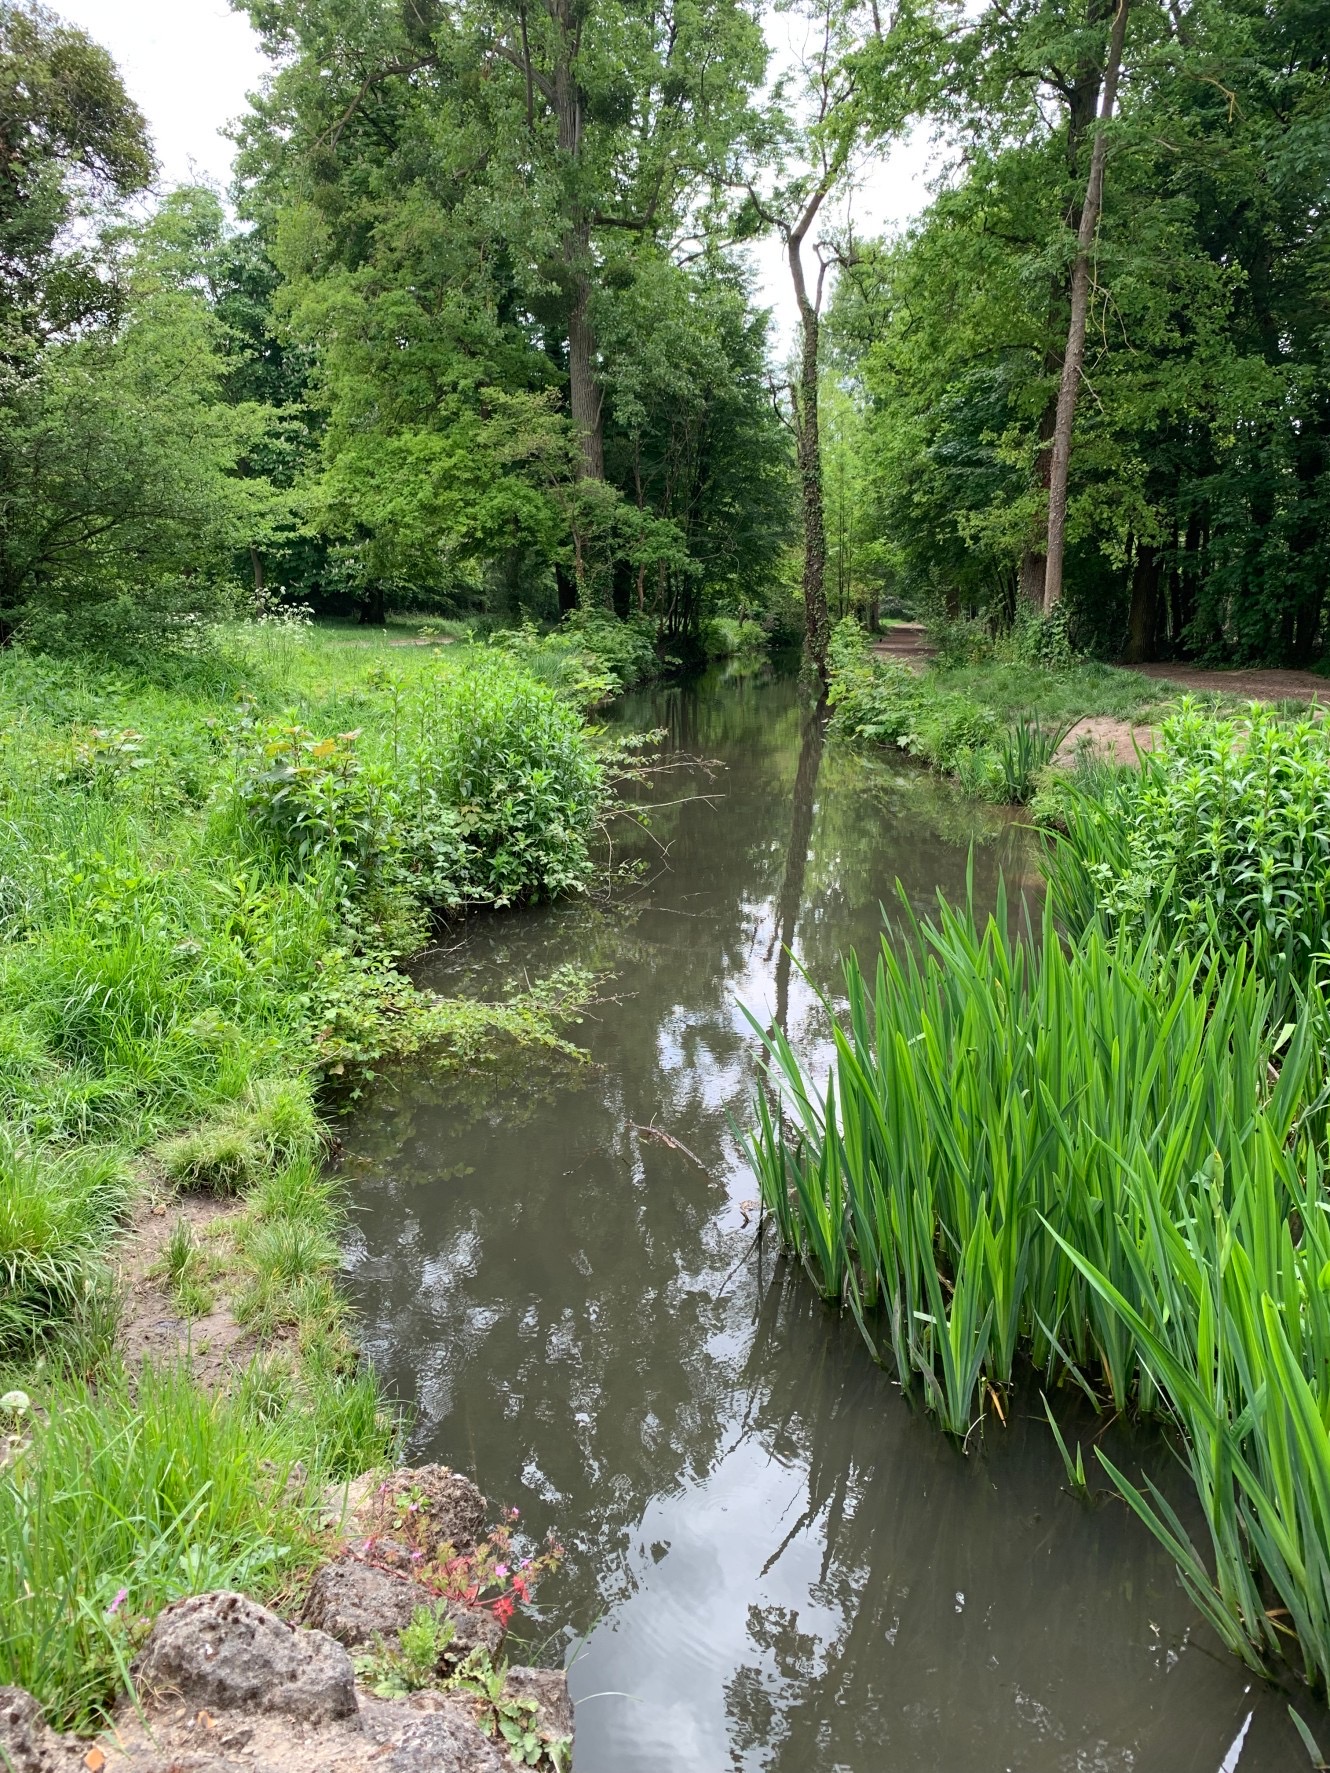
x=774 y=1561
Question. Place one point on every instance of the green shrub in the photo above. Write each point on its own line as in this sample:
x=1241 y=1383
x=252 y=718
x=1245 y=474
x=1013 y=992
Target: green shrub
x=513 y=761
x=729 y=637
x=1222 y=836
x=589 y=657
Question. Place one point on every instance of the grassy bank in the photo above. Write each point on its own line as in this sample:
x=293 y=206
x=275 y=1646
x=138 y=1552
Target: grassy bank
x=1096 y=1155
x=993 y=720
x=206 y=882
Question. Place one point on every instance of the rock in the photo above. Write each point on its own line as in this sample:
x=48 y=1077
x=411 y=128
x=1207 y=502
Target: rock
x=355 y=1602
x=424 y=1507
x=27 y=1743
x=221 y=1651
x=549 y=1688
x=444 y=1739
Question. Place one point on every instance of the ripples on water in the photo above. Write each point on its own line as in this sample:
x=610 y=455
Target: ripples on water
x=774 y=1562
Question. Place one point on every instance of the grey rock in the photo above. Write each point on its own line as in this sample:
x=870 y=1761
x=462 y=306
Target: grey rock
x=27 y=1743
x=225 y=1652
x=444 y=1739
x=549 y=1688
x=355 y=1602
x=426 y=1506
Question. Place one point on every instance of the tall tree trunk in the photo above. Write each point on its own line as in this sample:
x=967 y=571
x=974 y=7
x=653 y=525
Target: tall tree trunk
x=817 y=618
x=256 y=566
x=1082 y=109
x=1143 y=619
x=584 y=395
x=1080 y=307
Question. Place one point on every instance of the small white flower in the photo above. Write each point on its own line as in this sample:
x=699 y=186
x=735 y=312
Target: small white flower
x=16 y=1403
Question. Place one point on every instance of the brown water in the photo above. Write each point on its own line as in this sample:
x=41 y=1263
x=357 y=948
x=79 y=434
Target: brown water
x=775 y=1562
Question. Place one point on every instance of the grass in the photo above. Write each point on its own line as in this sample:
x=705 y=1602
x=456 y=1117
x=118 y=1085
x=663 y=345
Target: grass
x=206 y=882
x=128 y=1496
x=1053 y=697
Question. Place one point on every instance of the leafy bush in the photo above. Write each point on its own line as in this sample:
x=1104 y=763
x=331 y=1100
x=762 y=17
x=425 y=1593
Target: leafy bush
x=511 y=758
x=1222 y=836
x=589 y=657
x=727 y=637
x=880 y=701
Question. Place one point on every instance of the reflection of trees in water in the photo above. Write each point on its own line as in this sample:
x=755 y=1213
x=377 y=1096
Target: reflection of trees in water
x=544 y=1281
x=803 y=801
x=1056 y=1594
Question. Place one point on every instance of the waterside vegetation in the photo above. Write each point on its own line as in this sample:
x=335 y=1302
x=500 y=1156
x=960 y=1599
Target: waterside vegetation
x=1092 y=1152
x=208 y=883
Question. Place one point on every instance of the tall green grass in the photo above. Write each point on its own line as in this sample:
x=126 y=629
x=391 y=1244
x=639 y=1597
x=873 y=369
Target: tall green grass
x=132 y=1494
x=1102 y=1158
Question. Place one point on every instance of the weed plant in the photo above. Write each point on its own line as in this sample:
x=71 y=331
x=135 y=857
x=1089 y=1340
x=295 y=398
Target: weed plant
x=1108 y=1157
x=205 y=884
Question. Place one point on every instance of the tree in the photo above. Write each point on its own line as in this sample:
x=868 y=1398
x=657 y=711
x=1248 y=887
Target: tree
x=1074 y=357
x=122 y=496
x=1197 y=488
x=70 y=141
x=474 y=188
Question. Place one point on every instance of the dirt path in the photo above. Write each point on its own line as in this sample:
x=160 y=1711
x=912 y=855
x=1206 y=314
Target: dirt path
x=906 y=641
x=1252 y=685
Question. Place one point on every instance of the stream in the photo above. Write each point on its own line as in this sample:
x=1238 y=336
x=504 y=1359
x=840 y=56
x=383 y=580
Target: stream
x=774 y=1560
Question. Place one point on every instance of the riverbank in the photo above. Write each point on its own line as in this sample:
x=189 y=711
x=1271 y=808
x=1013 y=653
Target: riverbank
x=209 y=881
x=993 y=720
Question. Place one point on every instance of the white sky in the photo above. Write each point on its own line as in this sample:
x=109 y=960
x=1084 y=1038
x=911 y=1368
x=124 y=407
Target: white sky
x=189 y=65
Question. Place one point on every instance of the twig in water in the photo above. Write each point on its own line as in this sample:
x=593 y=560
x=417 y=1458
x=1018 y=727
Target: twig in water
x=670 y=1140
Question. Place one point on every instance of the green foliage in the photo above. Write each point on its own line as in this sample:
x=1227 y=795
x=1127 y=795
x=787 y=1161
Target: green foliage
x=1162 y=1241
x=69 y=133
x=57 y=1211
x=588 y=658
x=1199 y=469
x=1024 y=751
x=1222 y=836
x=416 y=1661
x=151 y=1487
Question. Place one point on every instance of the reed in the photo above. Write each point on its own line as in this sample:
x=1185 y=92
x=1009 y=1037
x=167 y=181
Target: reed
x=1103 y=1157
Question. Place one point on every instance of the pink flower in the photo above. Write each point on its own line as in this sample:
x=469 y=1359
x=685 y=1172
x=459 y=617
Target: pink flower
x=500 y=1570
x=417 y=1557
x=117 y=1603
x=525 y=1564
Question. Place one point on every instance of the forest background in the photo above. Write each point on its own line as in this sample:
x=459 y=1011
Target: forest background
x=475 y=334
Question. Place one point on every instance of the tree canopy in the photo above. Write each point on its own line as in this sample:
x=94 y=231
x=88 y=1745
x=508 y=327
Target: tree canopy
x=476 y=329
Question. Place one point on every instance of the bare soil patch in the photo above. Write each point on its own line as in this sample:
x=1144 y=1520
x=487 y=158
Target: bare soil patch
x=152 y=1326
x=906 y=641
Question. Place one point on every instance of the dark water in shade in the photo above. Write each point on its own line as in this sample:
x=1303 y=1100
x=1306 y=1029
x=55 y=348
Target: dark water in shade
x=774 y=1561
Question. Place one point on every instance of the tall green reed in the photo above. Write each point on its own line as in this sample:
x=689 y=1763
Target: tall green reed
x=1102 y=1156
